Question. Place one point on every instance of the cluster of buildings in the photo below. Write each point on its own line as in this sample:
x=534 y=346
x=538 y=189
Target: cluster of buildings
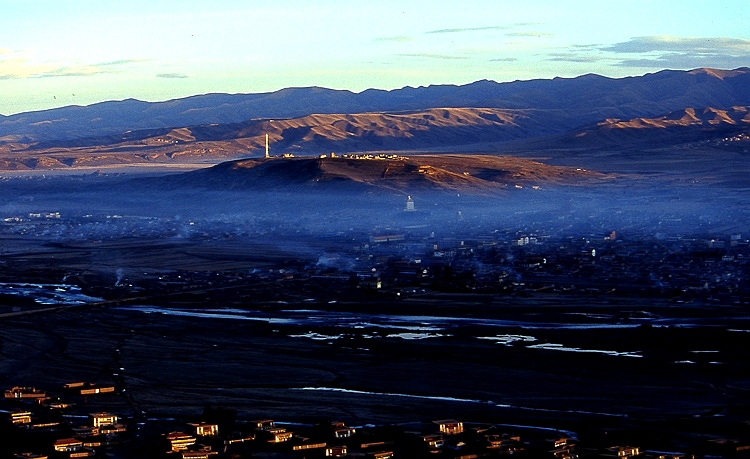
x=220 y=434
x=372 y=156
x=683 y=269
x=399 y=259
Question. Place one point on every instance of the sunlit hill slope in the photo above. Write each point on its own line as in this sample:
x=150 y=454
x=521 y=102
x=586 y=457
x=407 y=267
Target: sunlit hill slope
x=464 y=173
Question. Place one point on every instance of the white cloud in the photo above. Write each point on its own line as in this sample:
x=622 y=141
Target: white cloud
x=681 y=52
x=21 y=66
x=667 y=44
x=434 y=56
x=171 y=75
x=396 y=39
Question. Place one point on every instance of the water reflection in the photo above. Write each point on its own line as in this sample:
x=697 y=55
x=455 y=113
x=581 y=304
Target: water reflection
x=47 y=294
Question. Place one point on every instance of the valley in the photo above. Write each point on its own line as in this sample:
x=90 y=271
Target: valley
x=561 y=258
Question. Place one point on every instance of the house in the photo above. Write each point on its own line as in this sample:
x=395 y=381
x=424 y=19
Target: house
x=279 y=435
x=264 y=424
x=433 y=441
x=85 y=431
x=180 y=441
x=203 y=453
x=344 y=432
x=241 y=439
x=306 y=446
x=559 y=442
x=74 y=385
x=85 y=388
x=60 y=405
x=103 y=419
x=20 y=417
x=67 y=445
x=97 y=390
x=562 y=448
x=449 y=426
x=25 y=392
x=387 y=238
x=112 y=429
x=380 y=455
x=206 y=430
x=335 y=451
x=495 y=441
x=625 y=451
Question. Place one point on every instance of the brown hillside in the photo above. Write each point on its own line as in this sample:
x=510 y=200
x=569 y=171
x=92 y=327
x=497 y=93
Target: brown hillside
x=476 y=174
x=306 y=135
x=707 y=117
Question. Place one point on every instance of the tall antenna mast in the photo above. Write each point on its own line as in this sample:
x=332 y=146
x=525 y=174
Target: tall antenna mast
x=266 y=145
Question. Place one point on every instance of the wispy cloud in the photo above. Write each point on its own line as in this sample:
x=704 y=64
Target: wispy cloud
x=171 y=75
x=120 y=62
x=18 y=66
x=574 y=57
x=504 y=59
x=587 y=47
x=397 y=39
x=75 y=71
x=433 y=56
x=476 y=29
x=686 y=61
x=718 y=45
x=528 y=34
x=469 y=29
x=681 y=52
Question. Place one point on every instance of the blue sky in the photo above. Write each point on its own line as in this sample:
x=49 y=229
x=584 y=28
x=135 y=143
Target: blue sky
x=56 y=52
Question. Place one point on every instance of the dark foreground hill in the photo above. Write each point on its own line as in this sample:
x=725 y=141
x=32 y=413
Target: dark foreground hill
x=474 y=174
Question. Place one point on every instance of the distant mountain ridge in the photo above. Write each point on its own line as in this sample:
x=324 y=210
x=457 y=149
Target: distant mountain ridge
x=680 y=127
x=582 y=100
x=706 y=117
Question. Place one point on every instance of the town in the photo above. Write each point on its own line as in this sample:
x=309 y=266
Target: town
x=312 y=312
x=406 y=259
x=39 y=424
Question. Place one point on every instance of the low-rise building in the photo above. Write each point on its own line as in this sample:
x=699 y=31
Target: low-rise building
x=103 y=419
x=66 y=445
x=180 y=441
x=336 y=451
x=19 y=392
x=264 y=424
x=625 y=451
x=279 y=435
x=206 y=430
x=449 y=426
x=20 y=417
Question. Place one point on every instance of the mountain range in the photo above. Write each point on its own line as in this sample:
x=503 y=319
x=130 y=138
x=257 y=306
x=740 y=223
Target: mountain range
x=584 y=99
x=663 y=109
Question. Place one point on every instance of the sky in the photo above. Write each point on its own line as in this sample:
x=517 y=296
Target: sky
x=77 y=52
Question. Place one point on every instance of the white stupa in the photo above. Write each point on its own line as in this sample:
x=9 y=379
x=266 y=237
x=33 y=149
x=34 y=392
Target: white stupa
x=409 y=205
